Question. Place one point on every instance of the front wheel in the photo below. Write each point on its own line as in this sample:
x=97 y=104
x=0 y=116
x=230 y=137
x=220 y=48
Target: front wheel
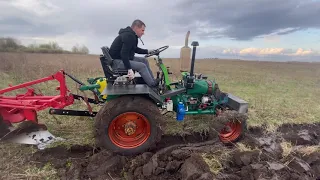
x=233 y=126
x=128 y=125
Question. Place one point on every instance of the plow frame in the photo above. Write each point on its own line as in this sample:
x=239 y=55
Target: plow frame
x=15 y=109
x=23 y=108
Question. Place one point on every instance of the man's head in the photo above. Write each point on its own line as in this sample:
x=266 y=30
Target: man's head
x=138 y=27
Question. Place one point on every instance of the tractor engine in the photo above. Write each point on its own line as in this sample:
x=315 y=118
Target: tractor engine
x=198 y=95
x=205 y=95
x=202 y=97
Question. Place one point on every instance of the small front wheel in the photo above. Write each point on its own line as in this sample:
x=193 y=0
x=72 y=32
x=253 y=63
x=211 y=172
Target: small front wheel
x=128 y=125
x=234 y=127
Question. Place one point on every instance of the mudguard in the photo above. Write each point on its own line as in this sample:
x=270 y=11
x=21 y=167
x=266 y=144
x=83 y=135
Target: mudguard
x=132 y=89
x=237 y=103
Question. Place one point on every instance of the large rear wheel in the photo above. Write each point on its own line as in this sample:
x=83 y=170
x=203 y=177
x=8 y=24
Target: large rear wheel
x=128 y=125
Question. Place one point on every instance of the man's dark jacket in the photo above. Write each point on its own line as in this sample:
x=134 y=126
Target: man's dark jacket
x=125 y=46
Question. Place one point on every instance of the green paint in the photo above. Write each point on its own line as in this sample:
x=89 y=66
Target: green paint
x=207 y=111
x=166 y=75
x=200 y=87
x=89 y=87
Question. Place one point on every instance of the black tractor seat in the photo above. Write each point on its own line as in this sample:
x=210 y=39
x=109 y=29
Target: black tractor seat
x=106 y=63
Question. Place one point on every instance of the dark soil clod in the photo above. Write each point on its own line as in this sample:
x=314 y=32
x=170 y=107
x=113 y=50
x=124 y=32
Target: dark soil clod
x=181 y=158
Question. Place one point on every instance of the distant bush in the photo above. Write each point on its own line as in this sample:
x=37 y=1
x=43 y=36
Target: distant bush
x=80 y=50
x=10 y=44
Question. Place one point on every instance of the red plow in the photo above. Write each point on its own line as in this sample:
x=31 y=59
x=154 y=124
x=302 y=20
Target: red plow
x=22 y=109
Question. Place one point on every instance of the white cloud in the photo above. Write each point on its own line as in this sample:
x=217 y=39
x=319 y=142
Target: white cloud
x=261 y=51
x=230 y=51
x=301 y=52
x=281 y=53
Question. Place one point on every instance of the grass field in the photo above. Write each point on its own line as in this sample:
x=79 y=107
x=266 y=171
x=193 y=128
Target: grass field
x=277 y=93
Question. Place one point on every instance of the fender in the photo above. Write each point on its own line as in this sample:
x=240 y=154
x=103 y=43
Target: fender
x=132 y=89
x=237 y=104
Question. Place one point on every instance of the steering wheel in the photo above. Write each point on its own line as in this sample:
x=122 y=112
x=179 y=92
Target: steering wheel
x=157 y=51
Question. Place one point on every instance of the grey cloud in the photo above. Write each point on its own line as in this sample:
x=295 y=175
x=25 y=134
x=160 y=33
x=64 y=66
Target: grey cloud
x=247 y=19
x=97 y=18
x=12 y=26
x=98 y=21
x=235 y=19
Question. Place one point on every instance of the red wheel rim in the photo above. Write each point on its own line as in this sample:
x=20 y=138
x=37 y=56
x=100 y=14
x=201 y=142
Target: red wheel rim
x=129 y=130
x=230 y=132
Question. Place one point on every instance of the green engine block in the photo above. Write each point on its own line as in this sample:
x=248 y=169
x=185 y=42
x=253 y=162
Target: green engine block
x=203 y=98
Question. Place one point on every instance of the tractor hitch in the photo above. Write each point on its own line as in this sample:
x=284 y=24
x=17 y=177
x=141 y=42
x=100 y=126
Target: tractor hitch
x=66 y=112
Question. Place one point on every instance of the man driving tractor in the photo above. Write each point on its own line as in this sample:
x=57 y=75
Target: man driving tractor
x=123 y=50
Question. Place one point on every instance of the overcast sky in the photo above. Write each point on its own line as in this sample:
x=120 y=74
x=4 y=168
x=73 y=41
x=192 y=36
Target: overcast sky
x=248 y=29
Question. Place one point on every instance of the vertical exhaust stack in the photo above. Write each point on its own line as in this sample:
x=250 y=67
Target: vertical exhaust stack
x=185 y=55
x=191 y=77
x=194 y=44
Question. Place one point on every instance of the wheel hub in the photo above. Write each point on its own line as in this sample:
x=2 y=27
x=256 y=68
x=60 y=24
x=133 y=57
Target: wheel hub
x=227 y=129
x=130 y=128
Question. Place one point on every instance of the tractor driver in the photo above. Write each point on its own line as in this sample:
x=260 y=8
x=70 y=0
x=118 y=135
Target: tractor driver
x=123 y=49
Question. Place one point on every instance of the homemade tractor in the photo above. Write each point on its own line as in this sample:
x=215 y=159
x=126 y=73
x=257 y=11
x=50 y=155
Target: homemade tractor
x=131 y=118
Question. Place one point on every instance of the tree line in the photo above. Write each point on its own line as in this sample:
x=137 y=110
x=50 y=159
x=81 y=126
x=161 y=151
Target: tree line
x=9 y=44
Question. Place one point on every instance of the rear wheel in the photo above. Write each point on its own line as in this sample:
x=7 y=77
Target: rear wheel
x=128 y=125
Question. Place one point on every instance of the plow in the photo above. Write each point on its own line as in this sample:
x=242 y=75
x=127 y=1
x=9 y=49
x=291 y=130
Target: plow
x=131 y=118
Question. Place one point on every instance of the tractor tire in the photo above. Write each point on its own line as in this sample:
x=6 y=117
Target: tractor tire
x=232 y=127
x=128 y=125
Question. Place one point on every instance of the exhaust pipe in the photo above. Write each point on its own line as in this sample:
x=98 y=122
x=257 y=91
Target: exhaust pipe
x=194 y=44
x=190 y=78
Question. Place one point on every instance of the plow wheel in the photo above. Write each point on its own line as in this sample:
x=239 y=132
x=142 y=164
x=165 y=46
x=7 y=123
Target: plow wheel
x=128 y=125
x=231 y=127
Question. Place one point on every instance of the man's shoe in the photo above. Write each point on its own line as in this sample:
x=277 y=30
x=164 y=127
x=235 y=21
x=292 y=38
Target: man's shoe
x=157 y=82
x=155 y=87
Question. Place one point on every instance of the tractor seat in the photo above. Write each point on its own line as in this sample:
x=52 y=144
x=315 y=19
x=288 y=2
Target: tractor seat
x=107 y=61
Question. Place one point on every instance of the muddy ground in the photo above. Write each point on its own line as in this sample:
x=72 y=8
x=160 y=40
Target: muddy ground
x=285 y=154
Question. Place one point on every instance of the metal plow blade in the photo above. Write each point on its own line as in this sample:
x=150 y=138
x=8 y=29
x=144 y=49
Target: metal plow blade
x=30 y=133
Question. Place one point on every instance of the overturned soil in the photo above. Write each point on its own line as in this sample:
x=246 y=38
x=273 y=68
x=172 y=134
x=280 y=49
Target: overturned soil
x=278 y=155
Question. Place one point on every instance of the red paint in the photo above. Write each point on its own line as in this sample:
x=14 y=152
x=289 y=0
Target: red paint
x=235 y=130
x=117 y=135
x=22 y=107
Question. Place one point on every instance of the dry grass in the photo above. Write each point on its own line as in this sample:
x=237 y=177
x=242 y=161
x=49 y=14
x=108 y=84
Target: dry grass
x=287 y=148
x=215 y=159
x=309 y=149
x=15 y=165
x=277 y=92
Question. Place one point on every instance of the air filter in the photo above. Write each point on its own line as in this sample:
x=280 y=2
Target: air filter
x=185 y=55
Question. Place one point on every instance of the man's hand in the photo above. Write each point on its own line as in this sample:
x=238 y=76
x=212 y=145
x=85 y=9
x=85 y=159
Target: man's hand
x=130 y=74
x=150 y=50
